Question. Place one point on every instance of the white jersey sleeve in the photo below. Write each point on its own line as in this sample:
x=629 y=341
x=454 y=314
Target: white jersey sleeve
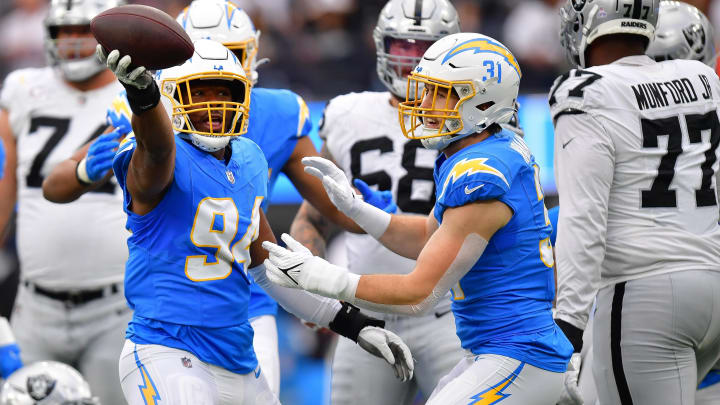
x=583 y=145
x=636 y=160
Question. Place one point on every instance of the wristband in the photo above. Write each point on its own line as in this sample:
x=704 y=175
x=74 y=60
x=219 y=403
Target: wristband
x=81 y=173
x=371 y=219
x=142 y=100
x=349 y=321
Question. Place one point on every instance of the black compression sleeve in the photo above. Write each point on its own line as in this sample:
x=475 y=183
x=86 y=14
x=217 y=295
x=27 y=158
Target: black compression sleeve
x=142 y=100
x=349 y=321
x=573 y=334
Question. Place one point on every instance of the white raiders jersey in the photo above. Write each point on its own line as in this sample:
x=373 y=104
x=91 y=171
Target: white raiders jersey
x=636 y=162
x=363 y=135
x=80 y=245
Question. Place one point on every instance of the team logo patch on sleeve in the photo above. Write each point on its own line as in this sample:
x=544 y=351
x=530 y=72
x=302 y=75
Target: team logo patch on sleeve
x=468 y=167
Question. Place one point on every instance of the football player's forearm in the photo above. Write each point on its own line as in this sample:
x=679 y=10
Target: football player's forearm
x=265 y=233
x=406 y=235
x=311 y=229
x=153 y=162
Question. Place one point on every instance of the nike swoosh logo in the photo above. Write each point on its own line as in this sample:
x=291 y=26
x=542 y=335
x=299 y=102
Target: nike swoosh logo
x=441 y=314
x=470 y=190
x=566 y=143
x=288 y=274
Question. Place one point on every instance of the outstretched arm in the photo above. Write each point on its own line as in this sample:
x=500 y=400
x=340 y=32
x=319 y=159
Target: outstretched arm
x=448 y=255
x=153 y=161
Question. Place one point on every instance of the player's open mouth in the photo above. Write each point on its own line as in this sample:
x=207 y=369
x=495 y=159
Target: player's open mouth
x=432 y=123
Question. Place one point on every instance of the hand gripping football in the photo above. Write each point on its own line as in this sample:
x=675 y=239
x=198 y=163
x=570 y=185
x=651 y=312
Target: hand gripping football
x=152 y=38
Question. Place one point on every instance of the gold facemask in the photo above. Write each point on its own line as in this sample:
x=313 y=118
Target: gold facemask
x=234 y=113
x=412 y=113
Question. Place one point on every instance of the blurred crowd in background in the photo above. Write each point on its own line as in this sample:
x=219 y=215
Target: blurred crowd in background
x=322 y=48
x=319 y=49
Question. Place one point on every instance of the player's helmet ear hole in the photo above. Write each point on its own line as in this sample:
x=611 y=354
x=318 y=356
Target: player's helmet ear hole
x=485 y=106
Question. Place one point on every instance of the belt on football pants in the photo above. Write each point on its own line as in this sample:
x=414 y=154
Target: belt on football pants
x=73 y=298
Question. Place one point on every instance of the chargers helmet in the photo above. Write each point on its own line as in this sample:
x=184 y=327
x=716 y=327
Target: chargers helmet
x=682 y=32
x=211 y=61
x=410 y=24
x=47 y=383
x=74 y=13
x=479 y=70
x=221 y=21
x=584 y=21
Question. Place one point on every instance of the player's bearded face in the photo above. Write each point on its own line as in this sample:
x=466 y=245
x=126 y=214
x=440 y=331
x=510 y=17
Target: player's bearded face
x=435 y=103
x=75 y=42
x=206 y=111
x=404 y=54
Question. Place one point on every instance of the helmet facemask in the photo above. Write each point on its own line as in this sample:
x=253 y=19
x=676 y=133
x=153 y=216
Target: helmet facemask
x=436 y=112
x=396 y=58
x=73 y=54
x=214 y=119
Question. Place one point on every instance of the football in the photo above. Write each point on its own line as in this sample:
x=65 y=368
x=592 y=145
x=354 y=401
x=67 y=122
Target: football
x=151 y=37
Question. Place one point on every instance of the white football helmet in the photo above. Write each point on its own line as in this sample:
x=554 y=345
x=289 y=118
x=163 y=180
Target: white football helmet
x=412 y=26
x=74 y=13
x=221 y=21
x=682 y=32
x=46 y=383
x=211 y=61
x=584 y=21
x=479 y=70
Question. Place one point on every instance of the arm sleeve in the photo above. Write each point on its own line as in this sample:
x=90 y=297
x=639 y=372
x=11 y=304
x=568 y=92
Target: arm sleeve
x=584 y=167
x=304 y=305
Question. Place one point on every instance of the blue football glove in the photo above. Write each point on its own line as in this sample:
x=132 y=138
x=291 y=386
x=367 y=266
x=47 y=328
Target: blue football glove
x=379 y=199
x=119 y=114
x=9 y=359
x=99 y=158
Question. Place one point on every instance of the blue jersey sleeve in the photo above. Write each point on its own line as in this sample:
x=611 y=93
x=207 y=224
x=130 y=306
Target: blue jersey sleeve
x=472 y=179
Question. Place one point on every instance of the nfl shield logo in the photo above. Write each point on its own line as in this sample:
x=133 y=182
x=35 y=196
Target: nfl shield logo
x=186 y=362
x=230 y=176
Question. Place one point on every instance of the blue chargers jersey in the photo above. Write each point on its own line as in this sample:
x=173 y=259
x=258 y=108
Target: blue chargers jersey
x=503 y=304
x=278 y=118
x=186 y=275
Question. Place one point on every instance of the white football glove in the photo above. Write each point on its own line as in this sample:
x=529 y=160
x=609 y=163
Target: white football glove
x=139 y=78
x=296 y=267
x=571 y=393
x=387 y=345
x=336 y=184
x=371 y=219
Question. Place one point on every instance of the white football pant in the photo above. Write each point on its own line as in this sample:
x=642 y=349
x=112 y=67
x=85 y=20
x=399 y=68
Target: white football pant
x=491 y=378
x=157 y=375
x=358 y=378
x=265 y=343
x=653 y=337
x=88 y=337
